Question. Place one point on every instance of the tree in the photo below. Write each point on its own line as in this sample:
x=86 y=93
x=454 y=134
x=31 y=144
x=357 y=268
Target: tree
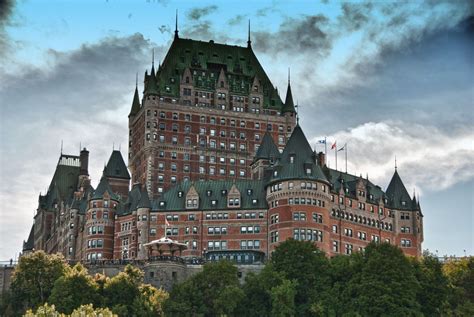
x=460 y=275
x=150 y=301
x=34 y=277
x=283 y=299
x=302 y=262
x=74 y=289
x=215 y=290
x=386 y=284
x=433 y=284
x=84 y=310
x=122 y=290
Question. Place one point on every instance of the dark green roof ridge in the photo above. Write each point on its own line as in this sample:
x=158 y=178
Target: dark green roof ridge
x=397 y=193
x=267 y=148
x=289 y=105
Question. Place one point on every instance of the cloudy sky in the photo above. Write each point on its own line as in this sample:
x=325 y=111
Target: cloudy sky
x=387 y=78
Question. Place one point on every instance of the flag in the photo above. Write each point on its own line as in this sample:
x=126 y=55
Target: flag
x=322 y=141
x=342 y=148
x=167 y=223
x=333 y=146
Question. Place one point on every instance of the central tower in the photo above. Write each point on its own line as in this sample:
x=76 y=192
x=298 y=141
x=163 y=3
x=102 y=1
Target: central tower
x=203 y=114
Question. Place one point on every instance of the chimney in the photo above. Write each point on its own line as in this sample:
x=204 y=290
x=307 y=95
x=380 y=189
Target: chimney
x=321 y=159
x=84 y=158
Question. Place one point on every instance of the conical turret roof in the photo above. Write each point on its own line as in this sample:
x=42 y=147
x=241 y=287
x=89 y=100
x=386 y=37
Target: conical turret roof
x=267 y=148
x=116 y=167
x=135 y=104
x=397 y=193
x=102 y=188
x=144 y=201
x=289 y=105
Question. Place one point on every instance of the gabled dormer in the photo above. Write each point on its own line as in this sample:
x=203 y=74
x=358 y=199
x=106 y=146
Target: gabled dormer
x=192 y=198
x=233 y=197
x=222 y=91
x=256 y=96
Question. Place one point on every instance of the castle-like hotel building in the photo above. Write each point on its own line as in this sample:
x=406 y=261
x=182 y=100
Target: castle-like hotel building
x=218 y=162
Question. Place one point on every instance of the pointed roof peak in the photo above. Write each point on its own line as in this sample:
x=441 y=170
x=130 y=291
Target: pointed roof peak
x=144 y=201
x=267 y=148
x=397 y=192
x=135 y=103
x=176 y=26
x=289 y=105
x=249 y=42
x=116 y=167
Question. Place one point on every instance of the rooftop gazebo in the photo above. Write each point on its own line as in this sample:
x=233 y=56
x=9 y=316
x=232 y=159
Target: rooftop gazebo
x=165 y=245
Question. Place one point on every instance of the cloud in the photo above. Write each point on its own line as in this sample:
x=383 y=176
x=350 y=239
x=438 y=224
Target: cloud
x=296 y=35
x=6 y=12
x=428 y=158
x=164 y=29
x=197 y=13
x=236 y=20
x=355 y=15
x=83 y=97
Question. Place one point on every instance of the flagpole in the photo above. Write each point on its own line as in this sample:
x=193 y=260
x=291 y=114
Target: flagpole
x=345 y=145
x=335 y=149
x=325 y=147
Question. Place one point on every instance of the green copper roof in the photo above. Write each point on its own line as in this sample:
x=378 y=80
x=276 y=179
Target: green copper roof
x=102 y=188
x=205 y=60
x=297 y=159
x=151 y=83
x=209 y=191
x=133 y=200
x=267 y=148
x=289 y=105
x=135 y=103
x=116 y=167
x=144 y=201
x=397 y=193
x=29 y=244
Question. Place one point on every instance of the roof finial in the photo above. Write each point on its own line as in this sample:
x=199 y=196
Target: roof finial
x=61 y=147
x=395 y=162
x=288 y=75
x=176 y=26
x=249 y=42
x=136 y=81
x=153 y=57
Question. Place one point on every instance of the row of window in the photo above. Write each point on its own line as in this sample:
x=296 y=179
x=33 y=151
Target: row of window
x=96 y=243
x=307 y=234
x=361 y=205
x=214 y=120
x=249 y=229
x=363 y=220
x=306 y=201
x=249 y=244
x=95 y=230
x=302 y=185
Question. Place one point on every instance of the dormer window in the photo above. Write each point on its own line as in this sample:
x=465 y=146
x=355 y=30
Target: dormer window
x=191 y=203
x=254 y=201
x=275 y=173
x=249 y=192
x=404 y=203
x=234 y=202
x=224 y=192
x=180 y=194
x=308 y=171
x=209 y=193
x=162 y=204
x=292 y=158
x=214 y=203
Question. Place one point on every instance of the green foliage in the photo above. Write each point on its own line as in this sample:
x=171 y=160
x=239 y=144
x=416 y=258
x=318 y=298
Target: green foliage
x=386 y=284
x=460 y=276
x=150 y=301
x=257 y=290
x=213 y=291
x=302 y=262
x=433 y=284
x=123 y=289
x=34 y=278
x=75 y=288
x=283 y=299
x=84 y=310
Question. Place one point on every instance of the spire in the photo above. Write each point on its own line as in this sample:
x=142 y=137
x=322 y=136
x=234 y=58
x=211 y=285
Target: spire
x=136 y=101
x=151 y=86
x=176 y=26
x=153 y=61
x=249 y=42
x=397 y=193
x=289 y=106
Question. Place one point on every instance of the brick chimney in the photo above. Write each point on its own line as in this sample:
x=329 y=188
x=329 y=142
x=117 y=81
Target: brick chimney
x=84 y=158
x=321 y=159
